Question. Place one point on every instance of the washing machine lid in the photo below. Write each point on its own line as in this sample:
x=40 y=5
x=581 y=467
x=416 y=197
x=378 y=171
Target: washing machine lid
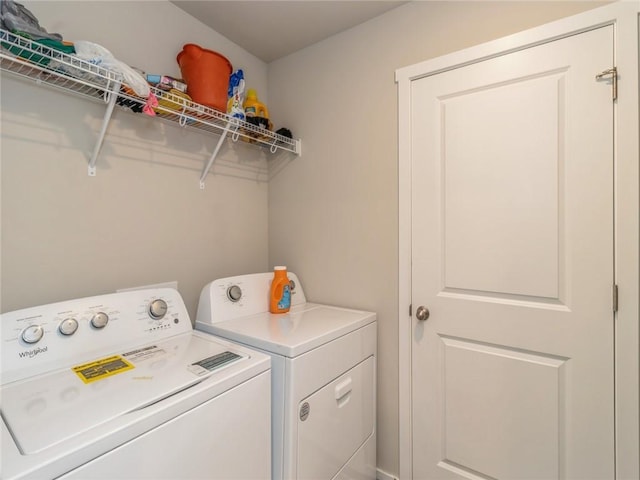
x=302 y=329
x=48 y=409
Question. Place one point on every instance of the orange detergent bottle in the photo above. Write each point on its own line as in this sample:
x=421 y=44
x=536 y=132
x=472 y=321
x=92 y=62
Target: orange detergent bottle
x=280 y=292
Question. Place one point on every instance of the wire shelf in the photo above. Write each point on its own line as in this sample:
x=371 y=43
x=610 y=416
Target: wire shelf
x=28 y=59
x=35 y=61
x=187 y=113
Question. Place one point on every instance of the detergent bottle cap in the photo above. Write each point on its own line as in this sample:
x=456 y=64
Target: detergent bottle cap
x=251 y=94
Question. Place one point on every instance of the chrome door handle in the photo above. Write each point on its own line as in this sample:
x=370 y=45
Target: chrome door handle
x=422 y=313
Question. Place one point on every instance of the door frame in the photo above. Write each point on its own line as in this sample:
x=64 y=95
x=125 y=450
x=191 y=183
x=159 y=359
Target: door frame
x=625 y=17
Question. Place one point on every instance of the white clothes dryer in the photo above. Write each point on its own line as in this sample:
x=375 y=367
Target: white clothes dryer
x=323 y=374
x=121 y=386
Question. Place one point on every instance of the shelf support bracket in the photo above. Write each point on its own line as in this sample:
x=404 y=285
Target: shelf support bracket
x=212 y=159
x=110 y=97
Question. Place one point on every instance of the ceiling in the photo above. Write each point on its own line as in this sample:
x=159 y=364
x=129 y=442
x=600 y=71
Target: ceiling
x=273 y=29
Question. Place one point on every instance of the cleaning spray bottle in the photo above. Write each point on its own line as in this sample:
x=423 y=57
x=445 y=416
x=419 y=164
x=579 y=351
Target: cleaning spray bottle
x=280 y=292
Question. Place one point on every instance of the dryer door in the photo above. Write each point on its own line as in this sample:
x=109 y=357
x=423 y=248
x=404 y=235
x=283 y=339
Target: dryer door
x=335 y=421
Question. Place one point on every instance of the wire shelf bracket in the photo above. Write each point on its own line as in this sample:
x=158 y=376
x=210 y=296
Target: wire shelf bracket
x=110 y=97
x=205 y=170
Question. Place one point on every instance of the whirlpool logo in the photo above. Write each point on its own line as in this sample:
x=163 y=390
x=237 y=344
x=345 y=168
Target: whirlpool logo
x=32 y=353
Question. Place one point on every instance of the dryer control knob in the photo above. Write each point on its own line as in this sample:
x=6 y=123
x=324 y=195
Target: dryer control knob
x=158 y=309
x=234 y=293
x=32 y=334
x=100 y=320
x=68 y=326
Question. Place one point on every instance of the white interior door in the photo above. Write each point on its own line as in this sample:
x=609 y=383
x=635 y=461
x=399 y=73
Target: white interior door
x=512 y=254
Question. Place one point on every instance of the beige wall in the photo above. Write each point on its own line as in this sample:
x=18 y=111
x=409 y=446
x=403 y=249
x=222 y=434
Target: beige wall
x=143 y=219
x=333 y=212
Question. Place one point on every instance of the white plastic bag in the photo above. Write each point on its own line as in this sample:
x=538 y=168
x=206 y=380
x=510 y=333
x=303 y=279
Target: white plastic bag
x=100 y=56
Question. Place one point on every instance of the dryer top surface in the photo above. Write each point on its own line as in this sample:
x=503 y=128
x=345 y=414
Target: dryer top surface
x=303 y=328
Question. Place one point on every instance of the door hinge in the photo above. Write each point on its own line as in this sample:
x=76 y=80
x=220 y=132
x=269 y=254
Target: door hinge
x=613 y=73
x=615 y=297
x=410 y=309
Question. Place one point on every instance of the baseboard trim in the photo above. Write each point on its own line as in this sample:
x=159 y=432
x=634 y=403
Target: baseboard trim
x=382 y=475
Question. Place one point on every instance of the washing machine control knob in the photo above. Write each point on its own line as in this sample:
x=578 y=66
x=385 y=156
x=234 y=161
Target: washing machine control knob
x=32 y=334
x=68 y=326
x=158 y=309
x=99 y=320
x=234 y=293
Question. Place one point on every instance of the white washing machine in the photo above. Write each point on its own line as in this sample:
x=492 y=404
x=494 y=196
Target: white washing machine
x=120 y=386
x=323 y=362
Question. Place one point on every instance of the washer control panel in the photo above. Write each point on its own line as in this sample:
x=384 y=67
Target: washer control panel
x=42 y=338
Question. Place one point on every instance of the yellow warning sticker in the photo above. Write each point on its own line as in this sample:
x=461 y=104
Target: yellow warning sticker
x=103 y=368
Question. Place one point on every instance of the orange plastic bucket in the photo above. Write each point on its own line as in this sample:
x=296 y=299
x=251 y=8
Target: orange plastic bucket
x=206 y=74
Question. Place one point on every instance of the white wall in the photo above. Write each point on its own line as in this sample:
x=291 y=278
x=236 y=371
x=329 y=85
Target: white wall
x=333 y=212
x=143 y=219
